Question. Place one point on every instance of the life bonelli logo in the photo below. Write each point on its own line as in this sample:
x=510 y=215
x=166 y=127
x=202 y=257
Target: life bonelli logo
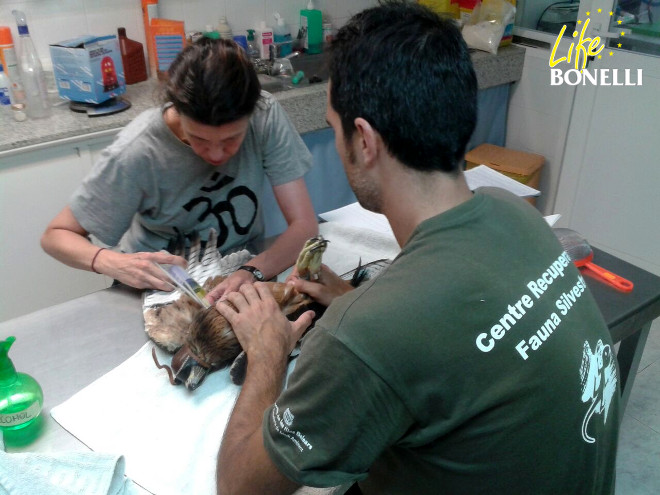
x=571 y=68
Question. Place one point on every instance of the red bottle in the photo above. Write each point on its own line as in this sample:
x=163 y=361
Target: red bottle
x=132 y=57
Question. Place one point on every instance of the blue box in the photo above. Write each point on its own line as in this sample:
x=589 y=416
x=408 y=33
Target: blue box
x=88 y=68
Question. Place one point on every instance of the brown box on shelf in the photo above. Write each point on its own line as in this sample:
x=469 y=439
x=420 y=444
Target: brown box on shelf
x=519 y=165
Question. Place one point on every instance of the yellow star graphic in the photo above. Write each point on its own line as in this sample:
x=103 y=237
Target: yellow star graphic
x=588 y=13
x=611 y=53
x=579 y=22
x=599 y=56
x=619 y=22
x=623 y=33
x=611 y=13
x=600 y=10
x=619 y=45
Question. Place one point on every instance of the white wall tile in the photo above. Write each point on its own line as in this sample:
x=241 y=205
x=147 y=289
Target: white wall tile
x=538 y=120
x=288 y=9
x=48 y=22
x=200 y=13
x=104 y=18
x=246 y=14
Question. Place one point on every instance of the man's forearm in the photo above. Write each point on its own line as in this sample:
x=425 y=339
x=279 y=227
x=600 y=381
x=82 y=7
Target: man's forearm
x=244 y=466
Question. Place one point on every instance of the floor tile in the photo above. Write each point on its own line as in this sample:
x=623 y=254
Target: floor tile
x=637 y=461
x=652 y=348
x=638 y=457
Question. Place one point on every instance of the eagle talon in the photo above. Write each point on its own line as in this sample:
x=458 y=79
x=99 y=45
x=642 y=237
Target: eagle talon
x=309 y=259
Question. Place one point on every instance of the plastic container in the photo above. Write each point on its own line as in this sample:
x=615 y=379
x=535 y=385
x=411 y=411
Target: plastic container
x=241 y=40
x=32 y=73
x=9 y=61
x=5 y=93
x=328 y=33
x=282 y=36
x=224 y=30
x=252 y=48
x=18 y=112
x=311 y=25
x=209 y=32
x=264 y=40
x=21 y=397
x=132 y=58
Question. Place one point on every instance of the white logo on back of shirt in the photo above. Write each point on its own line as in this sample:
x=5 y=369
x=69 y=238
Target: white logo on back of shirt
x=598 y=376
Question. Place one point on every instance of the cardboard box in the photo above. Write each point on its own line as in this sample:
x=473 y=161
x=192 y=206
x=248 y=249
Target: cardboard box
x=88 y=68
x=519 y=165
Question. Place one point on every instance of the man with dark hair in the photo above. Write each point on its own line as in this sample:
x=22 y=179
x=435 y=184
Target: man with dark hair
x=477 y=362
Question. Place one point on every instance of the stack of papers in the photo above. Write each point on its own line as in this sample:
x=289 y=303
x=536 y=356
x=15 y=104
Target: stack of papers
x=483 y=176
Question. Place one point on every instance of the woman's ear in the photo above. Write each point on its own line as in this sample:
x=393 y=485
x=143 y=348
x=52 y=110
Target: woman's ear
x=369 y=140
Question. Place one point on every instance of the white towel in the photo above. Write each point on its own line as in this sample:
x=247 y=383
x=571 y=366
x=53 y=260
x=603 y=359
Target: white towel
x=168 y=435
x=69 y=473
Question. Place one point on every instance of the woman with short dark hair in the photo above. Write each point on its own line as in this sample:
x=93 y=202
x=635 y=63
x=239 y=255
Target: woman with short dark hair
x=194 y=164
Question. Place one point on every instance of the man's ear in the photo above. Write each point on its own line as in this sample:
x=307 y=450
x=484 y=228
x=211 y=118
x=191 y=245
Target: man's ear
x=369 y=140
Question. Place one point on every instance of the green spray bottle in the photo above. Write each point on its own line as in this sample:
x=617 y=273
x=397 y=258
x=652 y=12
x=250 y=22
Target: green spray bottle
x=21 y=397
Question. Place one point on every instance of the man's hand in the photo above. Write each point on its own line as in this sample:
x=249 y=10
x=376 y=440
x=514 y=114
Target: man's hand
x=138 y=269
x=231 y=284
x=325 y=289
x=263 y=331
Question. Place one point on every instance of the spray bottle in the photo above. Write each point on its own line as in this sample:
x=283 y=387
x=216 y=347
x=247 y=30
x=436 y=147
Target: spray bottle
x=32 y=74
x=21 y=397
x=10 y=62
x=282 y=36
x=252 y=48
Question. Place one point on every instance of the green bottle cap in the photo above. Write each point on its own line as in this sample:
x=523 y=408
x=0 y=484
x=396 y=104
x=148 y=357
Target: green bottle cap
x=250 y=34
x=7 y=370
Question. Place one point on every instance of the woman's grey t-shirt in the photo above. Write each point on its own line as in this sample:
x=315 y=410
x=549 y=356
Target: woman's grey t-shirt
x=148 y=187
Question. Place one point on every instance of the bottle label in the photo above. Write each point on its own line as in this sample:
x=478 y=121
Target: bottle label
x=20 y=417
x=5 y=100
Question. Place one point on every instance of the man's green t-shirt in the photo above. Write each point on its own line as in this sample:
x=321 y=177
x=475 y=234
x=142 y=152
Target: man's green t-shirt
x=478 y=362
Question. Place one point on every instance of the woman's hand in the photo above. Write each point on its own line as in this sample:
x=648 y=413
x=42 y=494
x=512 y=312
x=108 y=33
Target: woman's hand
x=231 y=284
x=138 y=269
x=324 y=290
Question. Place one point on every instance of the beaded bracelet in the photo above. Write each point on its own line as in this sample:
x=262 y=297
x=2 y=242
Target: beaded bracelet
x=94 y=259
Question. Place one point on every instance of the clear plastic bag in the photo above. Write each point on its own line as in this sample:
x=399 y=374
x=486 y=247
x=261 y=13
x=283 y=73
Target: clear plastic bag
x=484 y=29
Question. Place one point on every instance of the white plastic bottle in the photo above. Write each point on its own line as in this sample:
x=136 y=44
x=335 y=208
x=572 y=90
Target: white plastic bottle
x=224 y=29
x=32 y=74
x=5 y=94
x=10 y=62
x=264 y=38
